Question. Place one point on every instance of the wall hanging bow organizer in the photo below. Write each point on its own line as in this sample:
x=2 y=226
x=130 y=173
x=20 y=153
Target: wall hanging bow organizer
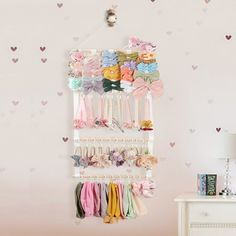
x=113 y=128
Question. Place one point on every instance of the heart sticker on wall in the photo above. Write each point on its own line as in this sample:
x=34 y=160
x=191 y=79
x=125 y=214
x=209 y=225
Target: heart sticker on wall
x=194 y=67
x=207 y=1
x=65 y=139
x=15 y=60
x=42 y=49
x=15 y=102
x=13 y=48
x=59 y=93
x=172 y=144
x=43 y=60
x=44 y=102
x=228 y=37
x=218 y=129
x=60 y=5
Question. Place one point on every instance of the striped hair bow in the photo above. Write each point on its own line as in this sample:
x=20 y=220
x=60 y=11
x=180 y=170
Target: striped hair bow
x=147 y=76
x=142 y=87
x=109 y=85
x=147 y=68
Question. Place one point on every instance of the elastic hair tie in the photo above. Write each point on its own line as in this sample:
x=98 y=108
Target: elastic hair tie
x=112 y=72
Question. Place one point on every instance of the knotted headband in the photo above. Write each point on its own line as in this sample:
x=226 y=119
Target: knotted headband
x=112 y=72
x=109 y=85
x=142 y=87
x=80 y=210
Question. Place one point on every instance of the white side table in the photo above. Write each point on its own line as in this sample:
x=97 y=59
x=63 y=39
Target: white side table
x=206 y=215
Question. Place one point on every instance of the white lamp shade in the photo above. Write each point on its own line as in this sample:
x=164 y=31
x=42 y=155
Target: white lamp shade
x=223 y=145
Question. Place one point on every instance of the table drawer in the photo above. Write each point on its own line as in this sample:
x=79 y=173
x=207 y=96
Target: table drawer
x=212 y=212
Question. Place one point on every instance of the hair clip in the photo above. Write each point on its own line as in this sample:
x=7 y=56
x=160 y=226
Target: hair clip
x=74 y=83
x=127 y=74
x=122 y=57
x=109 y=85
x=147 y=68
x=77 y=56
x=109 y=58
x=89 y=86
x=112 y=72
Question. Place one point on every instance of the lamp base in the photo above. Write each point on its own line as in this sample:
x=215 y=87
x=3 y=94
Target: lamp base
x=226 y=192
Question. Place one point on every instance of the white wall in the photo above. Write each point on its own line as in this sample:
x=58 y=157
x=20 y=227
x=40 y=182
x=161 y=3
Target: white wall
x=197 y=66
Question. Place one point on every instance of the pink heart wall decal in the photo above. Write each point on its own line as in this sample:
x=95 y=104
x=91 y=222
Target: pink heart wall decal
x=59 y=93
x=194 y=67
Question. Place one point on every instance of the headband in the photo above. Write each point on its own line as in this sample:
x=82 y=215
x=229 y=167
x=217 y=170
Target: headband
x=80 y=212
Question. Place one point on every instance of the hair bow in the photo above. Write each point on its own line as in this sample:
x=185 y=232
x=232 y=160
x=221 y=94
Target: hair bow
x=77 y=68
x=135 y=42
x=147 y=68
x=137 y=189
x=112 y=72
x=141 y=87
x=122 y=57
x=77 y=56
x=79 y=161
x=100 y=161
x=74 y=83
x=109 y=58
x=129 y=64
x=147 y=188
x=147 y=56
x=127 y=74
x=116 y=158
x=109 y=85
x=92 y=67
x=126 y=86
x=146 y=76
x=89 y=86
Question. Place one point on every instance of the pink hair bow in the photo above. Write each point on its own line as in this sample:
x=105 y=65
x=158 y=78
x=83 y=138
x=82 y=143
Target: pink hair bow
x=141 y=87
x=92 y=67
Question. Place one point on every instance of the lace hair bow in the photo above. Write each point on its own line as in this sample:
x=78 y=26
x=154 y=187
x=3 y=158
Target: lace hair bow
x=122 y=57
x=109 y=85
x=74 y=83
x=96 y=86
x=146 y=76
x=109 y=58
x=142 y=87
x=147 y=68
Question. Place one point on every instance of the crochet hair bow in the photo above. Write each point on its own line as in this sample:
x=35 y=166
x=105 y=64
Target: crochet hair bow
x=142 y=87
x=96 y=86
x=109 y=85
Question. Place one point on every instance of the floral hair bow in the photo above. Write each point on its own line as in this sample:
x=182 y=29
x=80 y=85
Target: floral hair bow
x=112 y=72
x=136 y=43
x=147 y=68
x=109 y=85
x=89 y=86
x=79 y=161
x=129 y=64
x=122 y=57
x=116 y=158
x=126 y=86
x=127 y=74
x=77 y=56
x=100 y=161
x=74 y=83
x=109 y=58
x=146 y=76
x=142 y=87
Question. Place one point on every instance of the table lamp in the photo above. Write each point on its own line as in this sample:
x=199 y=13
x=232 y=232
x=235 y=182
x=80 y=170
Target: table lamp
x=225 y=148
